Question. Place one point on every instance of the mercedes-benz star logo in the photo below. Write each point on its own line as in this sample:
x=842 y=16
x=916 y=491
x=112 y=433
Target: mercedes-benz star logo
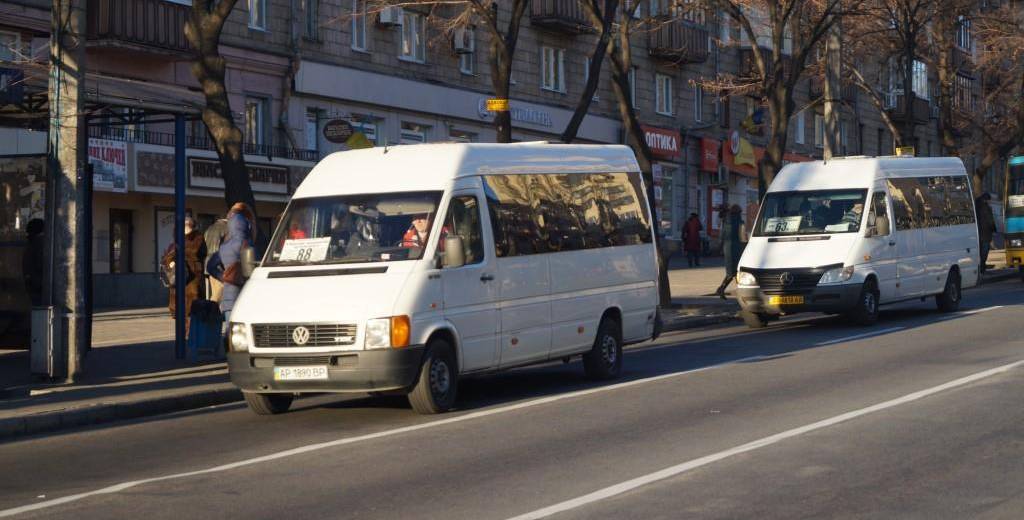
x=786 y=278
x=300 y=335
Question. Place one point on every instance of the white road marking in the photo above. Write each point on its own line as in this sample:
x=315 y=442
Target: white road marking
x=979 y=311
x=860 y=336
x=116 y=488
x=678 y=469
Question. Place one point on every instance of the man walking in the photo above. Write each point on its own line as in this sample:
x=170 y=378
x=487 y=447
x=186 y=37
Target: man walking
x=986 y=227
x=691 y=240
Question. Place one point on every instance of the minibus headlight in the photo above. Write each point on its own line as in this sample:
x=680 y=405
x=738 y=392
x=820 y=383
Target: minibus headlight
x=745 y=278
x=378 y=333
x=837 y=275
x=238 y=337
x=1016 y=242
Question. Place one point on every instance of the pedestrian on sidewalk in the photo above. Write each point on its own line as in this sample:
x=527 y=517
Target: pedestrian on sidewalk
x=692 y=244
x=195 y=255
x=986 y=227
x=241 y=223
x=213 y=236
x=732 y=246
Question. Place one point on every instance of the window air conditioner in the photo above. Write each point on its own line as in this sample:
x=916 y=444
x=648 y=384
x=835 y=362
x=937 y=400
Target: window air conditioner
x=390 y=16
x=460 y=41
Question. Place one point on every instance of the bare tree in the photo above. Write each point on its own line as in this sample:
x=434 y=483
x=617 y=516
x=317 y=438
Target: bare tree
x=602 y=17
x=203 y=29
x=502 y=49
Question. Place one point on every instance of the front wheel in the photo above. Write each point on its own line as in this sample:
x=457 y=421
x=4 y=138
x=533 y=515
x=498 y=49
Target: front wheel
x=604 y=360
x=949 y=299
x=268 y=404
x=866 y=311
x=438 y=380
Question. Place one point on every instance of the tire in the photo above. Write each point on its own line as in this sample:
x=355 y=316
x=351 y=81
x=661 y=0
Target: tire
x=604 y=360
x=268 y=404
x=866 y=312
x=437 y=384
x=755 y=320
x=952 y=293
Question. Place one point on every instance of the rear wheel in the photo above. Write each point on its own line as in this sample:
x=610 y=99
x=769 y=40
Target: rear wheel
x=437 y=385
x=866 y=311
x=949 y=299
x=268 y=404
x=604 y=360
x=755 y=320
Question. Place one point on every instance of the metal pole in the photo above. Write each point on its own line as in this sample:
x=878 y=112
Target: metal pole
x=180 y=271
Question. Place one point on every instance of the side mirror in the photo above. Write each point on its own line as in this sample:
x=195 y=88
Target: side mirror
x=247 y=262
x=881 y=226
x=454 y=254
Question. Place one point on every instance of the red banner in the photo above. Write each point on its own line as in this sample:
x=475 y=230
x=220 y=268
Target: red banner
x=709 y=154
x=663 y=142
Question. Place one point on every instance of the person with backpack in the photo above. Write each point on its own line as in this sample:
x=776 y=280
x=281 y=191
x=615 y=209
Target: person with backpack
x=240 y=225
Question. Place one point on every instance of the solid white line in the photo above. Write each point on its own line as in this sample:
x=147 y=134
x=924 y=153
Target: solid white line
x=672 y=471
x=116 y=488
x=978 y=311
x=859 y=336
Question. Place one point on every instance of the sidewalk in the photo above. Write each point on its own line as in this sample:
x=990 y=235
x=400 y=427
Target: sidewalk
x=131 y=371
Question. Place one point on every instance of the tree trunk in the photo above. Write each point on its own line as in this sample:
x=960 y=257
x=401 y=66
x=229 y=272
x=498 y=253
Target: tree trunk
x=203 y=30
x=780 y=110
x=603 y=19
x=908 y=129
x=501 y=77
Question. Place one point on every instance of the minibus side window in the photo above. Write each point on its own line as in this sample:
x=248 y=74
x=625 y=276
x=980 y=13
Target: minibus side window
x=463 y=219
x=878 y=209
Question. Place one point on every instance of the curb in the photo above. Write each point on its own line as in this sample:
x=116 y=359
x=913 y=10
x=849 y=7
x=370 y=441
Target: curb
x=693 y=322
x=108 y=412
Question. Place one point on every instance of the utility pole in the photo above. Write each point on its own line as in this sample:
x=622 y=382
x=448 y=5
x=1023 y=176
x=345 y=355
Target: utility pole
x=832 y=92
x=67 y=246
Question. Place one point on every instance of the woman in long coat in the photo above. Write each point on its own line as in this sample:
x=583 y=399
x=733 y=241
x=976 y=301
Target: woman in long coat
x=195 y=257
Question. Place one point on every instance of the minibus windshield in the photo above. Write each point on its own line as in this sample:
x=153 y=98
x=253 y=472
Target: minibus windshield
x=811 y=213
x=354 y=228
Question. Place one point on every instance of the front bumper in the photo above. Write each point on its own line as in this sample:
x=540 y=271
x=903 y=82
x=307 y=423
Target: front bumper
x=363 y=371
x=824 y=298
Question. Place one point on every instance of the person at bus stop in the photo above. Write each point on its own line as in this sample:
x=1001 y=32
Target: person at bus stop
x=691 y=240
x=195 y=255
x=239 y=237
x=732 y=247
x=213 y=236
x=986 y=227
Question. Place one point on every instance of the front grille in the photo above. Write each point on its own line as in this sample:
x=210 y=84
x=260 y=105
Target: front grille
x=301 y=361
x=278 y=335
x=788 y=281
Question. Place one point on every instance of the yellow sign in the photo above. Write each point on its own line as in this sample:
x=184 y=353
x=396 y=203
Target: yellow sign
x=745 y=155
x=358 y=140
x=497 y=105
x=905 y=150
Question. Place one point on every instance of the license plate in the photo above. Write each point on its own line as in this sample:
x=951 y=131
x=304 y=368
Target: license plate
x=785 y=300
x=299 y=373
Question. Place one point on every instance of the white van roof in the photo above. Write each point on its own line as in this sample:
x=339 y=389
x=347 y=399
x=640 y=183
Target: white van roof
x=423 y=167
x=860 y=172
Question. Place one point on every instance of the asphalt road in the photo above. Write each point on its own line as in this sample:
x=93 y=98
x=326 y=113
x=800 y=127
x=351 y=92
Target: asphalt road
x=917 y=417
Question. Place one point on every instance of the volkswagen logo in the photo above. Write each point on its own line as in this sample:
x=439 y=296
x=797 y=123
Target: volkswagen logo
x=786 y=278
x=300 y=335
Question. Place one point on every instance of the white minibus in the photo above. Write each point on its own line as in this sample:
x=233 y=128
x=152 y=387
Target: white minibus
x=847 y=235
x=401 y=269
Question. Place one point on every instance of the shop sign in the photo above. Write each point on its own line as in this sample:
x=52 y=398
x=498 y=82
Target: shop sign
x=664 y=143
x=265 y=178
x=497 y=105
x=109 y=161
x=518 y=113
x=337 y=131
x=12 y=86
x=709 y=154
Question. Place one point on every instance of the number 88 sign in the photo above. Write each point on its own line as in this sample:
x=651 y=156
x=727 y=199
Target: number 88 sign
x=305 y=249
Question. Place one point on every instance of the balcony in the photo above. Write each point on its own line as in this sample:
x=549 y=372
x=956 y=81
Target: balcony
x=847 y=91
x=565 y=16
x=678 y=41
x=154 y=27
x=198 y=142
x=895 y=105
x=748 y=66
x=962 y=60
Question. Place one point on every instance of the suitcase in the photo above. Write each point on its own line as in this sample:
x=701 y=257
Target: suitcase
x=204 y=333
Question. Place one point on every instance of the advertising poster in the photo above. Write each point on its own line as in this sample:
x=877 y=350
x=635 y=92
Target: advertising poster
x=109 y=160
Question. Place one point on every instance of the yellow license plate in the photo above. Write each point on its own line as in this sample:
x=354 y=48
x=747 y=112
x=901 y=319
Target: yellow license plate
x=785 y=300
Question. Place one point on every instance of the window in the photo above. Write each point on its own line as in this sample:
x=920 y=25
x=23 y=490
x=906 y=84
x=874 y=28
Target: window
x=313 y=19
x=963 y=33
x=413 y=133
x=256 y=117
x=586 y=78
x=691 y=13
x=632 y=86
x=811 y=212
x=927 y=202
x=628 y=6
x=366 y=126
x=698 y=103
x=800 y=127
x=552 y=65
x=843 y=137
x=258 y=14
x=879 y=143
x=819 y=131
x=533 y=214
x=878 y=209
x=121 y=240
x=725 y=23
x=359 y=25
x=463 y=219
x=920 y=80
x=462 y=136
x=312 y=129
x=414 y=36
x=963 y=93
x=467 y=57
x=725 y=118
x=10 y=46
x=663 y=94
x=659 y=7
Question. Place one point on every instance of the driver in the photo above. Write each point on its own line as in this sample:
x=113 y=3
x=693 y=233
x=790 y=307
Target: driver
x=852 y=215
x=416 y=235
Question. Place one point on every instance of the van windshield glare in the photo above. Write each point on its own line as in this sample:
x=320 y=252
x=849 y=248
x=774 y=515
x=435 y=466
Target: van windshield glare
x=811 y=213
x=354 y=228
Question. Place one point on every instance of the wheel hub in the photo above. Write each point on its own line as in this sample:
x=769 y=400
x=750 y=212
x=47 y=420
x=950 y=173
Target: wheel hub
x=440 y=379
x=609 y=352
